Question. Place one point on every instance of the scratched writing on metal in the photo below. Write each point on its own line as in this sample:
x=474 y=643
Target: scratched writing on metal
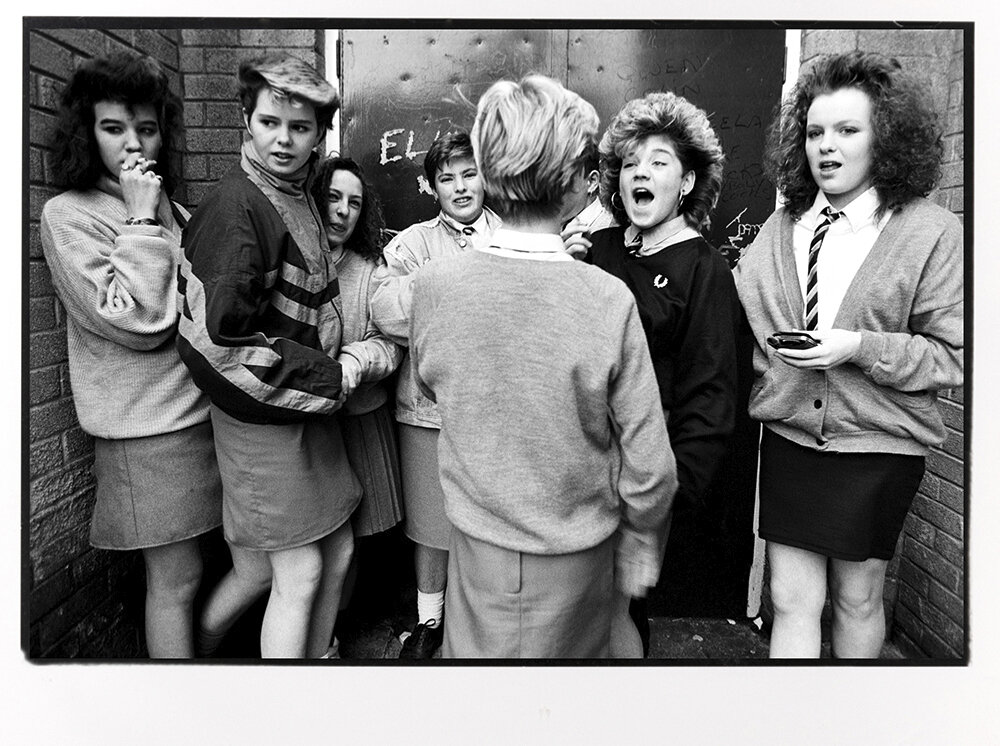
x=744 y=232
x=638 y=82
x=739 y=121
x=386 y=144
x=741 y=184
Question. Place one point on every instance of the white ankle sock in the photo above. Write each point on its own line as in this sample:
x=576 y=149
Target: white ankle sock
x=430 y=606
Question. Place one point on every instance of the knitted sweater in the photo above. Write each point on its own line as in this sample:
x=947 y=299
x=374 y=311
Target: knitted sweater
x=362 y=340
x=261 y=320
x=118 y=284
x=552 y=431
x=907 y=302
x=690 y=313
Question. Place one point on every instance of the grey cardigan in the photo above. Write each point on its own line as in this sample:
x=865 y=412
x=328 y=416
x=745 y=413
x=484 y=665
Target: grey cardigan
x=906 y=300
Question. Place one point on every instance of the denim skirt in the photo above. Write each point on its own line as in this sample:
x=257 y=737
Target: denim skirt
x=283 y=486
x=155 y=490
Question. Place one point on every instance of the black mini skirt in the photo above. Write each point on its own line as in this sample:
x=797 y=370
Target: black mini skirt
x=849 y=506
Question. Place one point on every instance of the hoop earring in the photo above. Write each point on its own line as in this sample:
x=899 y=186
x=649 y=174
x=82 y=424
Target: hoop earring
x=618 y=207
x=680 y=200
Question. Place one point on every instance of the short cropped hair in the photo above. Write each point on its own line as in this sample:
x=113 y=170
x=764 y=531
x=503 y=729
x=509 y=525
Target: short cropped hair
x=288 y=76
x=119 y=77
x=906 y=143
x=450 y=145
x=531 y=139
x=694 y=141
x=367 y=238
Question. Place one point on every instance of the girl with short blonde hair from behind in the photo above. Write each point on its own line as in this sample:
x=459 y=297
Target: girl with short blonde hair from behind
x=536 y=416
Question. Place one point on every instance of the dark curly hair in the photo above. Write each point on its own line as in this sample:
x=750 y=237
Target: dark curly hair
x=694 y=141
x=367 y=238
x=119 y=77
x=906 y=142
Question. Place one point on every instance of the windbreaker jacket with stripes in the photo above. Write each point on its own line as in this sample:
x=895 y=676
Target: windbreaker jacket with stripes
x=261 y=318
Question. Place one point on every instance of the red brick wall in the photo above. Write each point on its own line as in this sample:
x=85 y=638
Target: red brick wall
x=926 y=584
x=84 y=602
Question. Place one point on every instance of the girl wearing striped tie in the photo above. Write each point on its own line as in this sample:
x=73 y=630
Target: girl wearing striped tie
x=862 y=261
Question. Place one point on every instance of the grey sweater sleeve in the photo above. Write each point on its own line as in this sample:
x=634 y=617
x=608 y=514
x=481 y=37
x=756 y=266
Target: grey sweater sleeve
x=119 y=284
x=930 y=355
x=648 y=477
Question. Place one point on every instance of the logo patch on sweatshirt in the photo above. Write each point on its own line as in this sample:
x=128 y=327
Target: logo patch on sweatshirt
x=659 y=281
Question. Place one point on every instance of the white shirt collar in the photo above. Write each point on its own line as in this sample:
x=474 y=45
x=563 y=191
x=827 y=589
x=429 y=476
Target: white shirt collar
x=857 y=214
x=591 y=213
x=515 y=244
x=675 y=231
x=480 y=224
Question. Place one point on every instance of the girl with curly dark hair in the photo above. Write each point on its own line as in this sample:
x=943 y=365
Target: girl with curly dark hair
x=112 y=243
x=871 y=271
x=661 y=174
x=353 y=223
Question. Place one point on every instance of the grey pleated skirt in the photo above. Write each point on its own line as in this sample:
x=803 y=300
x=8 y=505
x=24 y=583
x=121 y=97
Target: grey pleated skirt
x=155 y=490
x=370 y=439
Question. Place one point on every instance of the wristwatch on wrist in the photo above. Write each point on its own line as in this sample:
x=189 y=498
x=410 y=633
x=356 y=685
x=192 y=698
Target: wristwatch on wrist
x=141 y=221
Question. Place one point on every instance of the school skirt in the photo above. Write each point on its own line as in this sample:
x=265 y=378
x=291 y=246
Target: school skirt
x=155 y=490
x=849 y=506
x=283 y=486
x=502 y=603
x=426 y=522
x=370 y=439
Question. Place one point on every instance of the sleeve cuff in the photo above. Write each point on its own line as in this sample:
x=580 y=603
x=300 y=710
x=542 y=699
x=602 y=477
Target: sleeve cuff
x=869 y=351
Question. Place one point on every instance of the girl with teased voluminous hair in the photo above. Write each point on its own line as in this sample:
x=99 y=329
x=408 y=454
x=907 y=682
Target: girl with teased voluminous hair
x=112 y=243
x=871 y=270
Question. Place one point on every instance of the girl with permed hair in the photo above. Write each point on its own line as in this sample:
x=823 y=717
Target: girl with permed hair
x=866 y=274
x=112 y=243
x=126 y=79
x=661 y=174
x=353 y=222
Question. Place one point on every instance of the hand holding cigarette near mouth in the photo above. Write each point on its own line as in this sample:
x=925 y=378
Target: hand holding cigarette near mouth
x=140 y=187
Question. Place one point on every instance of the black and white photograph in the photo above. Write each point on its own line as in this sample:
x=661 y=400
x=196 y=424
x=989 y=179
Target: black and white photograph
x=542 y=378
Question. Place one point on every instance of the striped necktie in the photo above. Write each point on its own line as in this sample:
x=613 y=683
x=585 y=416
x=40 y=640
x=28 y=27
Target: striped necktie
x=812 y=291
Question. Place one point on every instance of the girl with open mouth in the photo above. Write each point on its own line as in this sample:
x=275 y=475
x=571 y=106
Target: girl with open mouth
x=661 y=174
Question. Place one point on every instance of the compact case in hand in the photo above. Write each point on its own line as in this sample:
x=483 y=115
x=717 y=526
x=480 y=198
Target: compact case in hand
x=792 y=341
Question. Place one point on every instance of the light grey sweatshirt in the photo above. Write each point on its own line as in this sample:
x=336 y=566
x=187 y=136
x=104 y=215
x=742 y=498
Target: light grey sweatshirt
x=552 y=432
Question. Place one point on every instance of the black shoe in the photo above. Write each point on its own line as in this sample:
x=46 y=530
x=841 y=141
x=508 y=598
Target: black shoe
x=426 y=639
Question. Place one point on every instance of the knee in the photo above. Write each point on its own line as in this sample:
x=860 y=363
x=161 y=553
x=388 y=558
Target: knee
x=857 y=602
x=299 y=579
x=797 y=596
x=340 y=550
x=174 y=577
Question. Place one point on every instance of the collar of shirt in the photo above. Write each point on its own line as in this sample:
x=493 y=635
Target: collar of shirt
x=545 y=247
x=674 y=231
x=590 y=214
x=857 y=215
x=479 y=225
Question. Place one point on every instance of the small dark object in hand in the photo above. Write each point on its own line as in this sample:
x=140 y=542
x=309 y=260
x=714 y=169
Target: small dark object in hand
x=792 y=341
